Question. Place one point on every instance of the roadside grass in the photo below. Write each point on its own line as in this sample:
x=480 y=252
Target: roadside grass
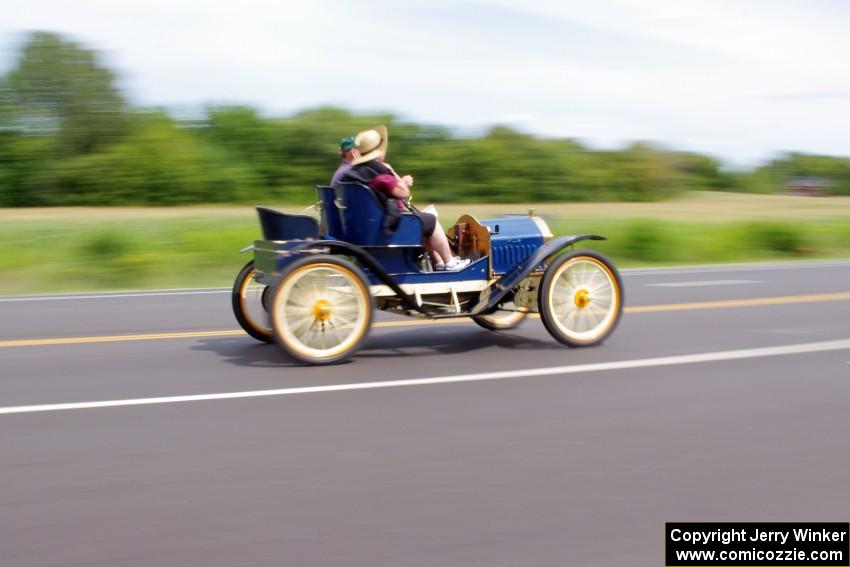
x=703 y=206
x=645 y=242
x=150 y=253
x=51 y=250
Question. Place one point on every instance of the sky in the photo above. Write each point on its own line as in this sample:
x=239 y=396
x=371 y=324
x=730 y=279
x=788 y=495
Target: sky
x=742 y=80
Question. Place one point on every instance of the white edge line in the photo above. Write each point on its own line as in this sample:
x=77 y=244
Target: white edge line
x=704 y=283
x=802 y=348
x=744 y=267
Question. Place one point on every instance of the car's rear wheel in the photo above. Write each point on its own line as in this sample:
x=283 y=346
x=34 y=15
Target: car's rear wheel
x=581 y=298
x=250 y=301
x=321 y=309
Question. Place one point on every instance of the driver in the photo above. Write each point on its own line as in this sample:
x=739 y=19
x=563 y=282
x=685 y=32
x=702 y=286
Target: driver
x=349 y=153
x=369 y=168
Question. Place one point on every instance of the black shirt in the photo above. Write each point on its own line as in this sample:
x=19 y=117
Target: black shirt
x=365 y=172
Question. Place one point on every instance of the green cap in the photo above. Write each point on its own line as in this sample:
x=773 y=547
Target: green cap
x=347 y=143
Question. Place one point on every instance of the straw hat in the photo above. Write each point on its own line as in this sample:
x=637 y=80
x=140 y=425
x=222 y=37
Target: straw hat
x=371 y=144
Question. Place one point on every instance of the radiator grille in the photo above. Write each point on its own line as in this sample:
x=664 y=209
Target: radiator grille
x=506 y=256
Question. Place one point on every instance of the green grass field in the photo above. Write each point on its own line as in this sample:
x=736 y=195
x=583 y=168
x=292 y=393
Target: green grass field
x=76 y=249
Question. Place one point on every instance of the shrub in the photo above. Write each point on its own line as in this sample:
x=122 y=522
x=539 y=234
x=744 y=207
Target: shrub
x=779 y=238
x=112 y=257
x=647 y=241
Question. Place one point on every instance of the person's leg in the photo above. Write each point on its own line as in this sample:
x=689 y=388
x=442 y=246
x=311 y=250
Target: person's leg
x=435 y=239
x=436 y=259
x=438 y=245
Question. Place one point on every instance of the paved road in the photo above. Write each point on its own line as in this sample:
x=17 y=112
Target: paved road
x=552 y=457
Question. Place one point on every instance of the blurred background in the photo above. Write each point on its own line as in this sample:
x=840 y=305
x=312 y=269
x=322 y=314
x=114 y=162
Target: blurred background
x=135 y=136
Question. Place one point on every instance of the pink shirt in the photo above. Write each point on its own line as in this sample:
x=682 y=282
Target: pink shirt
x=386 y=184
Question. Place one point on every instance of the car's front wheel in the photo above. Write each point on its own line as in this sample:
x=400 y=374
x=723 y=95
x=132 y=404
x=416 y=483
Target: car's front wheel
x=581 y=298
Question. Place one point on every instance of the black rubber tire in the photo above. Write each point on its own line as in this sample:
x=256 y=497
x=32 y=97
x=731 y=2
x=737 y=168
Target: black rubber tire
x=513 y=319
x=363 y=285
x=545 y=291
x=260 y=333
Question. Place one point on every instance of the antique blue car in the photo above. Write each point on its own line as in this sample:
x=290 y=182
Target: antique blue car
x=313 y=285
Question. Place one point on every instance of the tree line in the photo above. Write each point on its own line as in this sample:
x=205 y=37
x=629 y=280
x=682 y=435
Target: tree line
x=68 y=136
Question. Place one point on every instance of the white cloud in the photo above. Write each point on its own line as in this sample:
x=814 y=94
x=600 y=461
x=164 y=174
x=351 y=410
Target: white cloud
x=741 y=80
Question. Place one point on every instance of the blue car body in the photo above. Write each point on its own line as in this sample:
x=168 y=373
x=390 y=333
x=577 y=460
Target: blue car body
x=504 y=251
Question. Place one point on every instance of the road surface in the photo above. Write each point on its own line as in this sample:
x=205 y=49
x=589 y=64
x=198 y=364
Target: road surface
x=143 y=429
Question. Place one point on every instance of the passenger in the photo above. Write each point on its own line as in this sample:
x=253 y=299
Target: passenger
x=371 y=169
x=349 y=153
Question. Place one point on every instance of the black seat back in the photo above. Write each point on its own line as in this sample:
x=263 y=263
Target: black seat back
x=362 y=218
x=284 y=226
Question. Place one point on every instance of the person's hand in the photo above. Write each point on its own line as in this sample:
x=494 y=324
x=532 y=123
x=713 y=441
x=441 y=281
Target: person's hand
x=408 y=179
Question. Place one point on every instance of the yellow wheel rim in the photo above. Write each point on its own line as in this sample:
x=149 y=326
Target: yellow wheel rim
x=322 y=310
x=251 y=304
x=582 y=298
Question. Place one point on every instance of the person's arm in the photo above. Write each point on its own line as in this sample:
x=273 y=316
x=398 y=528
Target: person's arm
x=401 y=189
x=391 y=186
x=403 y=185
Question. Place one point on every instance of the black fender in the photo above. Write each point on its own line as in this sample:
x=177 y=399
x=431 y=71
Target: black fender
x=514 y=276
x=362 y=256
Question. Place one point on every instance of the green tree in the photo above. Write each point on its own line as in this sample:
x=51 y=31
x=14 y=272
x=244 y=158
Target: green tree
x=61 y=88
x=8 y=111
x=159 y=164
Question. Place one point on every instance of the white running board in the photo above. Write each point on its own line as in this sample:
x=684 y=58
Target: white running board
x=432 y=288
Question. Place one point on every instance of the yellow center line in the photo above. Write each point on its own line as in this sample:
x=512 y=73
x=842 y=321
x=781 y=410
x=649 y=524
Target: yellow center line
x=120 y=338
x=732 y=303
x=721 y=304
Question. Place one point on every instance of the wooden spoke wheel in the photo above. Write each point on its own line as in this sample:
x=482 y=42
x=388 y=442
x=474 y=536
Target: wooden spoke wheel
x=581 y=298
x=321 y=309
x=249 y=300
